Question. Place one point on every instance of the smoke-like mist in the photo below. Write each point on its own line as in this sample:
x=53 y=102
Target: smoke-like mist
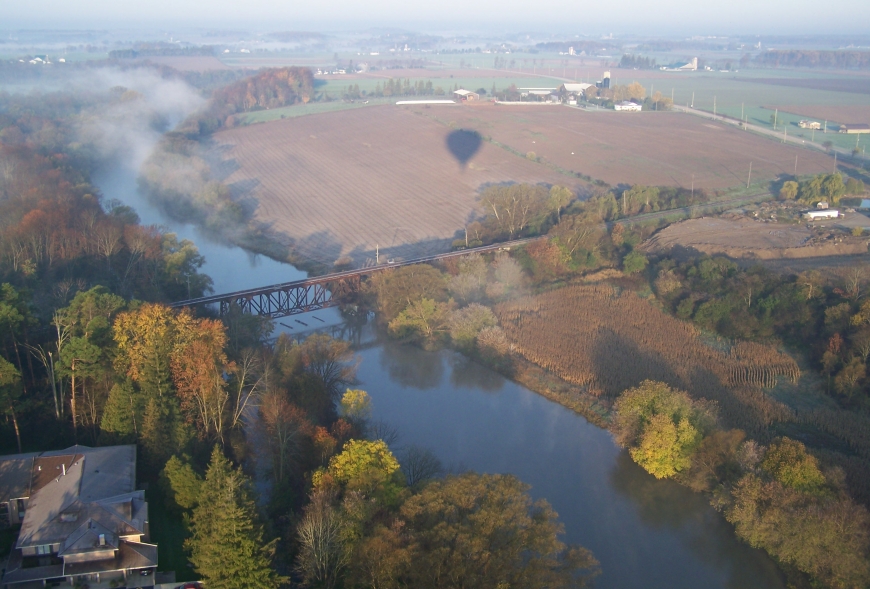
x=130 y=108
x=129 y=128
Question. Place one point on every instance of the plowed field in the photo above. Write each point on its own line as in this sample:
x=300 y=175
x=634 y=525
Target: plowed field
x=346 y=183
x=640 y=148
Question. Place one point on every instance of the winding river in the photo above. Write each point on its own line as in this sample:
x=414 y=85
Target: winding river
x=647 y=534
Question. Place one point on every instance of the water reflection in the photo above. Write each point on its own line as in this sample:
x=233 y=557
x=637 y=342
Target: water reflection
x=646 y=533
x=465 y=372
x=407 y=367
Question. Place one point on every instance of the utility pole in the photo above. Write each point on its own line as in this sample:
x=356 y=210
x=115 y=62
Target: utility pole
x=775 y=113
x=749 y=177
x=377 y=254
x=784 y=133
x=741 y=111
x=693 y=99
x=826 y=128
x=835 y=162
x=693 y=188
x=795 y=168
x=624 y=211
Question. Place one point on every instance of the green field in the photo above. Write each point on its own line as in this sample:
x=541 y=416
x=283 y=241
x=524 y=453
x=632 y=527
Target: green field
x=312 y=108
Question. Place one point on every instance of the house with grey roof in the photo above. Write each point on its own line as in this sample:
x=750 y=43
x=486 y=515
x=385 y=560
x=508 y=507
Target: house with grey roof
x=82 y=519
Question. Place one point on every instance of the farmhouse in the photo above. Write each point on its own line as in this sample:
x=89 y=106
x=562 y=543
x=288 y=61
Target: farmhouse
x=855 y=128
x=810 y=125
x=82 y=519
x=466 y=95
x=821 y=214
x=629 y=106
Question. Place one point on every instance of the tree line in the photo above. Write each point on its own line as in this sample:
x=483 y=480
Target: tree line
x=846 y=59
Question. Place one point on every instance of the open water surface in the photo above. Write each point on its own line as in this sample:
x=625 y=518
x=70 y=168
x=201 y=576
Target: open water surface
x=647 y=534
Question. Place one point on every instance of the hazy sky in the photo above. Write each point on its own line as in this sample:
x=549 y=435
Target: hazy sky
x=600 y=16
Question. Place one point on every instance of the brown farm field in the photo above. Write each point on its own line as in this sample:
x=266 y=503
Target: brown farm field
x=742 y=238
x=596 y=337
x=348 y=182
x=651 y=148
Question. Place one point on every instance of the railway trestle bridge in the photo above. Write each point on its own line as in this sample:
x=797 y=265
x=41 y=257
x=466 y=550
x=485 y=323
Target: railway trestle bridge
x=318 y=292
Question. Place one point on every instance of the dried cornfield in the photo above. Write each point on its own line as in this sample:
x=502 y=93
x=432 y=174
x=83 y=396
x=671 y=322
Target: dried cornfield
x=594 y=337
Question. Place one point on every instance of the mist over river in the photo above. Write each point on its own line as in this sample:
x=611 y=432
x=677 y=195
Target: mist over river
x=647 y=534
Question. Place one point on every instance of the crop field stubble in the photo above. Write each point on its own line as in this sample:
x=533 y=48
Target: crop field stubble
x=595 y=337
x=665 y=148
x=346 y=183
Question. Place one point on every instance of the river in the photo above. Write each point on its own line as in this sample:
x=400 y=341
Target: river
x=647 y=534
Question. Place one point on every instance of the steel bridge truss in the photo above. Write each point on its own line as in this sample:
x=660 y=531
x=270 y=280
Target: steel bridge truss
x=292 y=299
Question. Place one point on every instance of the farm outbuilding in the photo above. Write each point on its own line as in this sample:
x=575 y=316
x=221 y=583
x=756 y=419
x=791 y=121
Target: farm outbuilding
x=822 y=214
x=466 y=95
x=855 y=128
x=810 y=125
x=627 y=105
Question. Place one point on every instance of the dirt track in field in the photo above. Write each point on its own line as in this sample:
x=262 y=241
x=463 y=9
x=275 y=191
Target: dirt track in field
x=651 y=148
x=346 y=183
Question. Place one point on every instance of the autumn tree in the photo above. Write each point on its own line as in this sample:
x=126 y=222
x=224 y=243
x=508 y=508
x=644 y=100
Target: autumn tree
x=198 y=364
x=363 y=466
x=466 y=323
x=661 y=426
x=287 y=429
x=395 y=290
x=512 y=209
x=485 y=531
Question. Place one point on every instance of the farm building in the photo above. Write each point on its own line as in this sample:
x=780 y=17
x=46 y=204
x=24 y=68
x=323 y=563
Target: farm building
x=810 y=125
x=822 y=214
x=629 y=106
x=575 y=89
x=466 y=95
x=855 y=128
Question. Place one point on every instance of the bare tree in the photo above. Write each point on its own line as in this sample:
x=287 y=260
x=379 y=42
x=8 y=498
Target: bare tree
x=419 y=465
x=323 y=548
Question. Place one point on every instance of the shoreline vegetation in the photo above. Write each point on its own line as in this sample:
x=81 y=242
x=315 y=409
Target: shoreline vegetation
x=680 y=360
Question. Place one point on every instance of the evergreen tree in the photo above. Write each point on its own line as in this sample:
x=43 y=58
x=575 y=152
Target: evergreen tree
x=227 y=546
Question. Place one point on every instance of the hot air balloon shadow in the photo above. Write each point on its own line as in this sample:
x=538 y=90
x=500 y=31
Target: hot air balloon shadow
x=463 y=144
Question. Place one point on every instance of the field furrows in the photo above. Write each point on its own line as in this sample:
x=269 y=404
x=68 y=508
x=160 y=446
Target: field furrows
x=591 y=336
x=345 y=183
x=640 y=148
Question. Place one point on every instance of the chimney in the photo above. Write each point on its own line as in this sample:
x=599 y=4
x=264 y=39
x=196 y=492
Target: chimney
x=102 y=539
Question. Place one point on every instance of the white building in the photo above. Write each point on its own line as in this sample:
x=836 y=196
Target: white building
x=629 y=106
x=823 y=214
